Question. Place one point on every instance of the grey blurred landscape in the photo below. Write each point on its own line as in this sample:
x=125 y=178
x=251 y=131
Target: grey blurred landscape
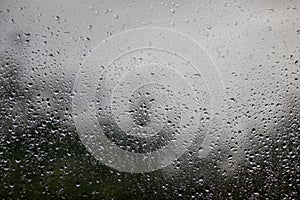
x=254 y=44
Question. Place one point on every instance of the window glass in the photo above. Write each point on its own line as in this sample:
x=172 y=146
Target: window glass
x=149 y=99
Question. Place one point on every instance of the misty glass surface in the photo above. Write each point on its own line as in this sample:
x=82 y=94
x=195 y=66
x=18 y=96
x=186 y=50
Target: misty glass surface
x=150 y=99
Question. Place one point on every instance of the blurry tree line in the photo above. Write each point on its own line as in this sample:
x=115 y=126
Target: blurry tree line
x=42 y=157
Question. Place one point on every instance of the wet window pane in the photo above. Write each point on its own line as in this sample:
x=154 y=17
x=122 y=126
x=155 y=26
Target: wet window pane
x=149 y=99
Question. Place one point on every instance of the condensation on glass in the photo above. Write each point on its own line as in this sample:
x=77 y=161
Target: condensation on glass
x=149 y=99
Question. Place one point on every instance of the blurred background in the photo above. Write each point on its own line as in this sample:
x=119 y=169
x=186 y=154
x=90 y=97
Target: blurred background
x=255 y=45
